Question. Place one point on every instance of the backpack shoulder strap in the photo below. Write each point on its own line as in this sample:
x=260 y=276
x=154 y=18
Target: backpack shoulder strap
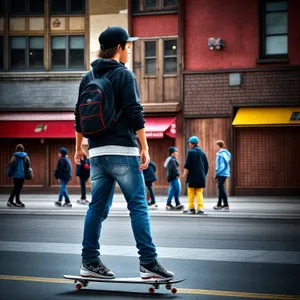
x=111 y=72
x=90 y=74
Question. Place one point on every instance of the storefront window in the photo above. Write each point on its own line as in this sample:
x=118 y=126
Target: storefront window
x=67 y=52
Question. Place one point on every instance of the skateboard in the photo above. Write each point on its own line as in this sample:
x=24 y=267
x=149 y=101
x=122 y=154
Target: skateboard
x=154 y=282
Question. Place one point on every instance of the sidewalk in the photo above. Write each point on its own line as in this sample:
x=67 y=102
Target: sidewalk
x=240 y=207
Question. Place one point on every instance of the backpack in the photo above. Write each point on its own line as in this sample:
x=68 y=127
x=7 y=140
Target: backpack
x=96 y=104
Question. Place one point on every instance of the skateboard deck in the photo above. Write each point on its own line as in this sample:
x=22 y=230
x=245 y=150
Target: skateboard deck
x=154 y=282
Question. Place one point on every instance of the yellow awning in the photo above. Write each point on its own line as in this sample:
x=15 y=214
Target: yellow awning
x=267 y=116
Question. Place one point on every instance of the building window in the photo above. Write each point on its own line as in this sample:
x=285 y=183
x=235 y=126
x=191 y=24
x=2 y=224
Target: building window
x=170 y=56
x=67 y=6
x=27 y=52
x=275 y=29
x=150 y=4
x=169 y=3
x=153 y=5
x=27 y=6
x=67 y=52
x=1 y=53
x=150 y=58
x=2 y=7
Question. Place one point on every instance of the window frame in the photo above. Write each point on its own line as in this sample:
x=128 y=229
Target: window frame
x=160 y=7
x=170 y=56
x=263 y=56
x=68 y=10
x=27 y=58
x=150 y=57
x=67 y=62
x=27 y=12
x=2 y=38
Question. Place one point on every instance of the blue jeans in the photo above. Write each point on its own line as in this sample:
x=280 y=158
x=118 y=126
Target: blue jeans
x=174 y=191
x=83 y=189
x=105 y=172
x=63 y=191
x=151 y=193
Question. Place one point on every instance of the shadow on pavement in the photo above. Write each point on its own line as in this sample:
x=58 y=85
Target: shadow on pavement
x=125 y=294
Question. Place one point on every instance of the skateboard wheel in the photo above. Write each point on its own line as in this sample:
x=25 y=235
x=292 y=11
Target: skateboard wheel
x=168 y=286
x=174 y=290
x=151 y=290
x=78 y=286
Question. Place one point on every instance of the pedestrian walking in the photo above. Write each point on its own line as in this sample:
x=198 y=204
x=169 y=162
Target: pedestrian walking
x=150 y=177
x=222 y=173
x=63 y=173
x=195 y=171
x=172 y=164
x=83 y=172
x=18 y=168
x=114 y=152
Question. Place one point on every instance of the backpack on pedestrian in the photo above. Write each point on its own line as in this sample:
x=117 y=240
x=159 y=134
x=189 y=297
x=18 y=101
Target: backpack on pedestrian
x=97 y=111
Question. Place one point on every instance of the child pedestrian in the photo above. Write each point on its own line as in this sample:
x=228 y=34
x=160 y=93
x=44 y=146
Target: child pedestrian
x=222 y=173
x=83 y=172
x=18 y=166
x=150 y=177
x=63 y=173
x=172 y=164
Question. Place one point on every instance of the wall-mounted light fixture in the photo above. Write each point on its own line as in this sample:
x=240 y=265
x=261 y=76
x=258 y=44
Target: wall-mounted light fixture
x=218 y=44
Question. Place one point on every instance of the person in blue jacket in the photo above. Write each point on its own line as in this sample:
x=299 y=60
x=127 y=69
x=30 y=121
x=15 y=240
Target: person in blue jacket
x=222 y=173
x=83 y=172
x=150 y=177
x=63 y=173
x=16 y=170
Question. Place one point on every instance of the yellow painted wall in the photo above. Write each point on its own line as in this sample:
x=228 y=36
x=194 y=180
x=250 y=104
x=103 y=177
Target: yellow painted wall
x=101 y=7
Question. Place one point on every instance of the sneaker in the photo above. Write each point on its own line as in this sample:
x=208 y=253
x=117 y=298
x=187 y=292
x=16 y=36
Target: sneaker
x=153 y=206
x=11 y=204
x=20 y=204
x=179 y=207
x=169 y=207
x=155 y=270
x=96 y=270
x=225 y=208
x=200 y=212
x=218 y=207
x=190 y=211
x=67 y=204
x=82 y=201
x=57 y=203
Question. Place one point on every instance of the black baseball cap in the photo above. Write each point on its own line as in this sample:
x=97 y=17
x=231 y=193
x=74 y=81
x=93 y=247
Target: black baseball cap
x=113 y=36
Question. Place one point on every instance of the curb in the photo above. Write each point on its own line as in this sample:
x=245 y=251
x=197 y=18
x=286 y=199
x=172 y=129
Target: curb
x=223 y=215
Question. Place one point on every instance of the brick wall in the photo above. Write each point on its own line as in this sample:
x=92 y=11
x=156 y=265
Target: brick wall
x=210 y=93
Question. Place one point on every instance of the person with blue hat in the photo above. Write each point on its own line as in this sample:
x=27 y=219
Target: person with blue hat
x=172 y=164
x=195 y=171
x=63 y=173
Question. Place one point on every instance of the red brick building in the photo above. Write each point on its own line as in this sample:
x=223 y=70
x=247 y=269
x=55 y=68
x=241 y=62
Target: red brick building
x=246 y=93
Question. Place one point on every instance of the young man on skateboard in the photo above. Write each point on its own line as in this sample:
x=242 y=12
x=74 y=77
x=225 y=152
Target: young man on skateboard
x=115 y=158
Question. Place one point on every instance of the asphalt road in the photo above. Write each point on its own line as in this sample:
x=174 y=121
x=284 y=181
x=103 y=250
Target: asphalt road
x=219 y=258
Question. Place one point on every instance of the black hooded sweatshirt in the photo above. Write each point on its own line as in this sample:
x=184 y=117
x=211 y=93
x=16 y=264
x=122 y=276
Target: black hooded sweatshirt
x=127 y=98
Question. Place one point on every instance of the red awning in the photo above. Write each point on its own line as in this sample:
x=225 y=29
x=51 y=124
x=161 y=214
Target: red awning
x=37 y=125
x=156 y=127
x=61 y=125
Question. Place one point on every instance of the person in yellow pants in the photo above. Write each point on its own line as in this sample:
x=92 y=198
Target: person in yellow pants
x=195 y=171
x=198 y=193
